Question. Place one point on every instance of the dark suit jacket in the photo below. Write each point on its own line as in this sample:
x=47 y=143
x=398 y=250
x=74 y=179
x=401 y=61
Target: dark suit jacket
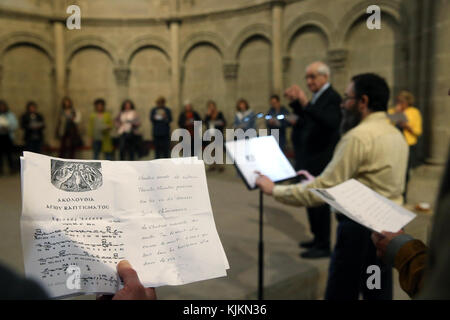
x=316 y=132
x=30 y=133
x=161 y=128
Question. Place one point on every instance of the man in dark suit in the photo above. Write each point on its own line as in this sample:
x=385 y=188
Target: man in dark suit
x=161 y=117
x=315 y=135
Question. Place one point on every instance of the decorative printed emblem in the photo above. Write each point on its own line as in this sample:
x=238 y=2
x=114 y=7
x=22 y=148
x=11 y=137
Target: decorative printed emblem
x=76 y=176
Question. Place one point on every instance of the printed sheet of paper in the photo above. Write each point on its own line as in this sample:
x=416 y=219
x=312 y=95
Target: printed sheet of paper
x=365 y=206
x=398 y=117
x=80 y=218
x=261 y=154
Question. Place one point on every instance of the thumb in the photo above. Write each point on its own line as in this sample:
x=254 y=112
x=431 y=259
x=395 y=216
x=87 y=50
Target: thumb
x=128 y=274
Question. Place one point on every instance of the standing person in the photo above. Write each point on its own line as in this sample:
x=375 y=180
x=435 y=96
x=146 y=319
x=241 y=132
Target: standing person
x=411 y=128
x=161 y=117
x=32 y=122
x=127 y=124
x=8 y=124
x=373 y=152
x=99 y=130
x=245 y=117
x=315 y=135
x=277 y=111
x=186 y=121
x=67 y=130
x=215 y=120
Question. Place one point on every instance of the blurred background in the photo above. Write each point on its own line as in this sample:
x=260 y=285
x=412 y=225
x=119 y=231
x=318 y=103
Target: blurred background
x=198 y=50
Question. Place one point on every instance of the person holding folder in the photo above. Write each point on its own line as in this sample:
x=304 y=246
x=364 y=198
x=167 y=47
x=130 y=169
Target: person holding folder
x=373 y=152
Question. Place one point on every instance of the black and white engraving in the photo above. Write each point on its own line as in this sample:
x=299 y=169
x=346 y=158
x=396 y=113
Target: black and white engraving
x=76 y=176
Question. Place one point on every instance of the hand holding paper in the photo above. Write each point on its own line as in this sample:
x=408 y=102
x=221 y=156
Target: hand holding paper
x=365 y=206
x=80 y=218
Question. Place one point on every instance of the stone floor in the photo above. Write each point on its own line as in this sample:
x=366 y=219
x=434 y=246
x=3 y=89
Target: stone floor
x=287 y=276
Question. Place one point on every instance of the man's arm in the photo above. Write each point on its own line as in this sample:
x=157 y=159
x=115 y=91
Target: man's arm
x=405 y=254
x=296 y=107
x=169 y=115
x=24 y=122
x=152 y=116
x=347 y=158
x=410 y=261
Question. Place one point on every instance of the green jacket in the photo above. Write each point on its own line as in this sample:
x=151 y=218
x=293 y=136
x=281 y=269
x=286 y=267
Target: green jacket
x=107 y=144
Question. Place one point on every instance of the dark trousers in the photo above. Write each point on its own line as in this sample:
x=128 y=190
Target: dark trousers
x=68 y=147
x=6 y=149
x=353 y=253
x=33 y=146
x=162 y=147
x=411 y=162
x=319 y=221
x=97 y=149
x=127 y=146
x=319 y=217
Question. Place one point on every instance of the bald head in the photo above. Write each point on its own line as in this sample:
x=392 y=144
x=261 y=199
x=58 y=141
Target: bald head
x=317 y=75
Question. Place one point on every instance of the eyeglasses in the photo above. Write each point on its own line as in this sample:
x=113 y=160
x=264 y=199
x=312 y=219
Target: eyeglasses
x=311 y=76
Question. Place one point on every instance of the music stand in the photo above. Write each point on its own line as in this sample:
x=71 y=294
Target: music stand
x=261 y=154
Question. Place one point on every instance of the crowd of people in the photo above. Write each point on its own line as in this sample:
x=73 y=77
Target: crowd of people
x=107 y=134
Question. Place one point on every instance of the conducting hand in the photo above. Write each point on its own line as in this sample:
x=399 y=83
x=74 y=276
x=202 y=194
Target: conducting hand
x=296 y=93
x=133 y=288
x=264 y=183
x=382 y=240
x=292 y=93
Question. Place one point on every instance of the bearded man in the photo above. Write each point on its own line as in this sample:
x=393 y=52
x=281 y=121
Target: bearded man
x=373 y=152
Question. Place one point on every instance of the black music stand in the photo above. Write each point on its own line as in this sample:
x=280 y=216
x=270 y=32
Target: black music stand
x=256 y=153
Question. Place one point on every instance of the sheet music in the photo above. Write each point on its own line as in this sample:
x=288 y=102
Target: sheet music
x=398 y=117
x=92 y=214
x=261 y=154
x=363 y=205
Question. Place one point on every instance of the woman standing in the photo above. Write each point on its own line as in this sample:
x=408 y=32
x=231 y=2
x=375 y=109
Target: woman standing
x=67 y=129
x=407 y=119
x=100 y=126
x=244 y=118
x=127 y=124
x=33 y=124
x=187 y=121
x=8 y=124
x=215 y=120
x=161 y=117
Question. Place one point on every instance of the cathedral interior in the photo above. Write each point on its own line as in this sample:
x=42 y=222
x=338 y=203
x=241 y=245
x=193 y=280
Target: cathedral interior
x=201 y=50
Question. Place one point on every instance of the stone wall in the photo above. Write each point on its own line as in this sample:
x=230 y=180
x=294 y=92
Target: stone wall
x=223 y=50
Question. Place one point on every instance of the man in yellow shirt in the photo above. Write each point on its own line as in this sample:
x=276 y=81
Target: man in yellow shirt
x=411 y=128
x=373 y=152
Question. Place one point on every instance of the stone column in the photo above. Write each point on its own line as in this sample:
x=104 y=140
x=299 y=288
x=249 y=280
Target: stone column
x=122 y=73
x=277 y=47
x=230 y=71
x=1 y=77
x=174 y=26
x=60 y=61
x=337 y=61
x=433 y=86
x=60 y=76
x=287 y=60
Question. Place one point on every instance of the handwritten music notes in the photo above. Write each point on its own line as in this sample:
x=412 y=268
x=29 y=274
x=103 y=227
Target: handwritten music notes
x=365 y=206
x=80 y=218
